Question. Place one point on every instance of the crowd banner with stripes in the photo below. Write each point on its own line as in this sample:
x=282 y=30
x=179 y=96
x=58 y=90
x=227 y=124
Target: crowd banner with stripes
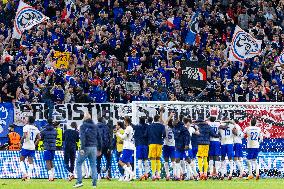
x=26 y=18
x=243 y=46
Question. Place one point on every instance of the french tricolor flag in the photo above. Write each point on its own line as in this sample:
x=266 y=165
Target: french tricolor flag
x=69 y=76
x=170 y=22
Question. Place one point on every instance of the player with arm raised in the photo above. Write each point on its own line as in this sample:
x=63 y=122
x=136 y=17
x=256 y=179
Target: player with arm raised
x=141 y=143
x=203 y=140
x=238 y=136
x=227 y=146
x=29 y=140
x=254 y=138
x=181 y=135
x=169 y=144
x=191 y=171
x=214 y=148
x=156 y=134
x=194 y=145
x=126 y=157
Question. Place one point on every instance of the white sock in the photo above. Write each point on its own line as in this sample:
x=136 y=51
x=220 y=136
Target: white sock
x=217 y=166
x=250 y=167
x=147 y=167
x=224 y=168
x=178 y=170
x=189 y=170
x=140 y=167
x=193 y=168
x=231 y=164
x=130 y=168
x=127 y=170
x=30 y=170
x=49 y=174
x=174 y=168
x=167 y=169
x=256 y=167
x=182 y=167
x=235 y=165
x=23 y=168
x=211 y=165
x=53 y=172
x=239 y=164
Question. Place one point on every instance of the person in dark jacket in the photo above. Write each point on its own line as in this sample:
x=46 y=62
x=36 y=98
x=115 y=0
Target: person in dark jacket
x=106 y=147
x=141 y=143
x=203 y=140
x=91 y=144
x=182 y=140
x=48 y=135
x=70 y=138
x=156 y=133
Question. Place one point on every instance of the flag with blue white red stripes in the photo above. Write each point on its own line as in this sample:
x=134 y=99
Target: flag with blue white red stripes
x=193 y=29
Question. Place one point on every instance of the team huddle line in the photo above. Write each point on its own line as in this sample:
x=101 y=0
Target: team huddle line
x=178 y=139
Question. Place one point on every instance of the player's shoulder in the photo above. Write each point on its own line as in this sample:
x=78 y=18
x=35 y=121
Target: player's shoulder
x=238 y=126
x=27 y=127
x=258 y=128
x=191 y=128
x=214 y=124
x=129 y=128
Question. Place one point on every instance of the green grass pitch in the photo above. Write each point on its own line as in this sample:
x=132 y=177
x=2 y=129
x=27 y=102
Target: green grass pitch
x=114 y=184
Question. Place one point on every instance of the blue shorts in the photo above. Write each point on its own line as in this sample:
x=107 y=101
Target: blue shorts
x=252 y=153
x=194 y=152
x=227 y=149
x=169 y=152
x=48 y=155
x=188 y=154
x=179 y=154
x=27 y=153
x=238 y=150
x=127 y=156
x=142 y=152
x=215 y=148
x=183 y=154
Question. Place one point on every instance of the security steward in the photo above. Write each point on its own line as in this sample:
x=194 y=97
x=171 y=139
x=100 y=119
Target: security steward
x=14 y=139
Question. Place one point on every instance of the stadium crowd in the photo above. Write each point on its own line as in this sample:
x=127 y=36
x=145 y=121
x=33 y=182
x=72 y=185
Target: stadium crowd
x=117 y=41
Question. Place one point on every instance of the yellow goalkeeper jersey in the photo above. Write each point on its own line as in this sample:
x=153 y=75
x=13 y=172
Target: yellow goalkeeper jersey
x=119 y=141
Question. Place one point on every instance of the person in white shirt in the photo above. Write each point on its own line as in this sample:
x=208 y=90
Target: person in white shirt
x=126 y=157
x=29 y=141
x=169 y=145
x=227 y=146
x=254 y=138
x=238 y=151
x=214 y=148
